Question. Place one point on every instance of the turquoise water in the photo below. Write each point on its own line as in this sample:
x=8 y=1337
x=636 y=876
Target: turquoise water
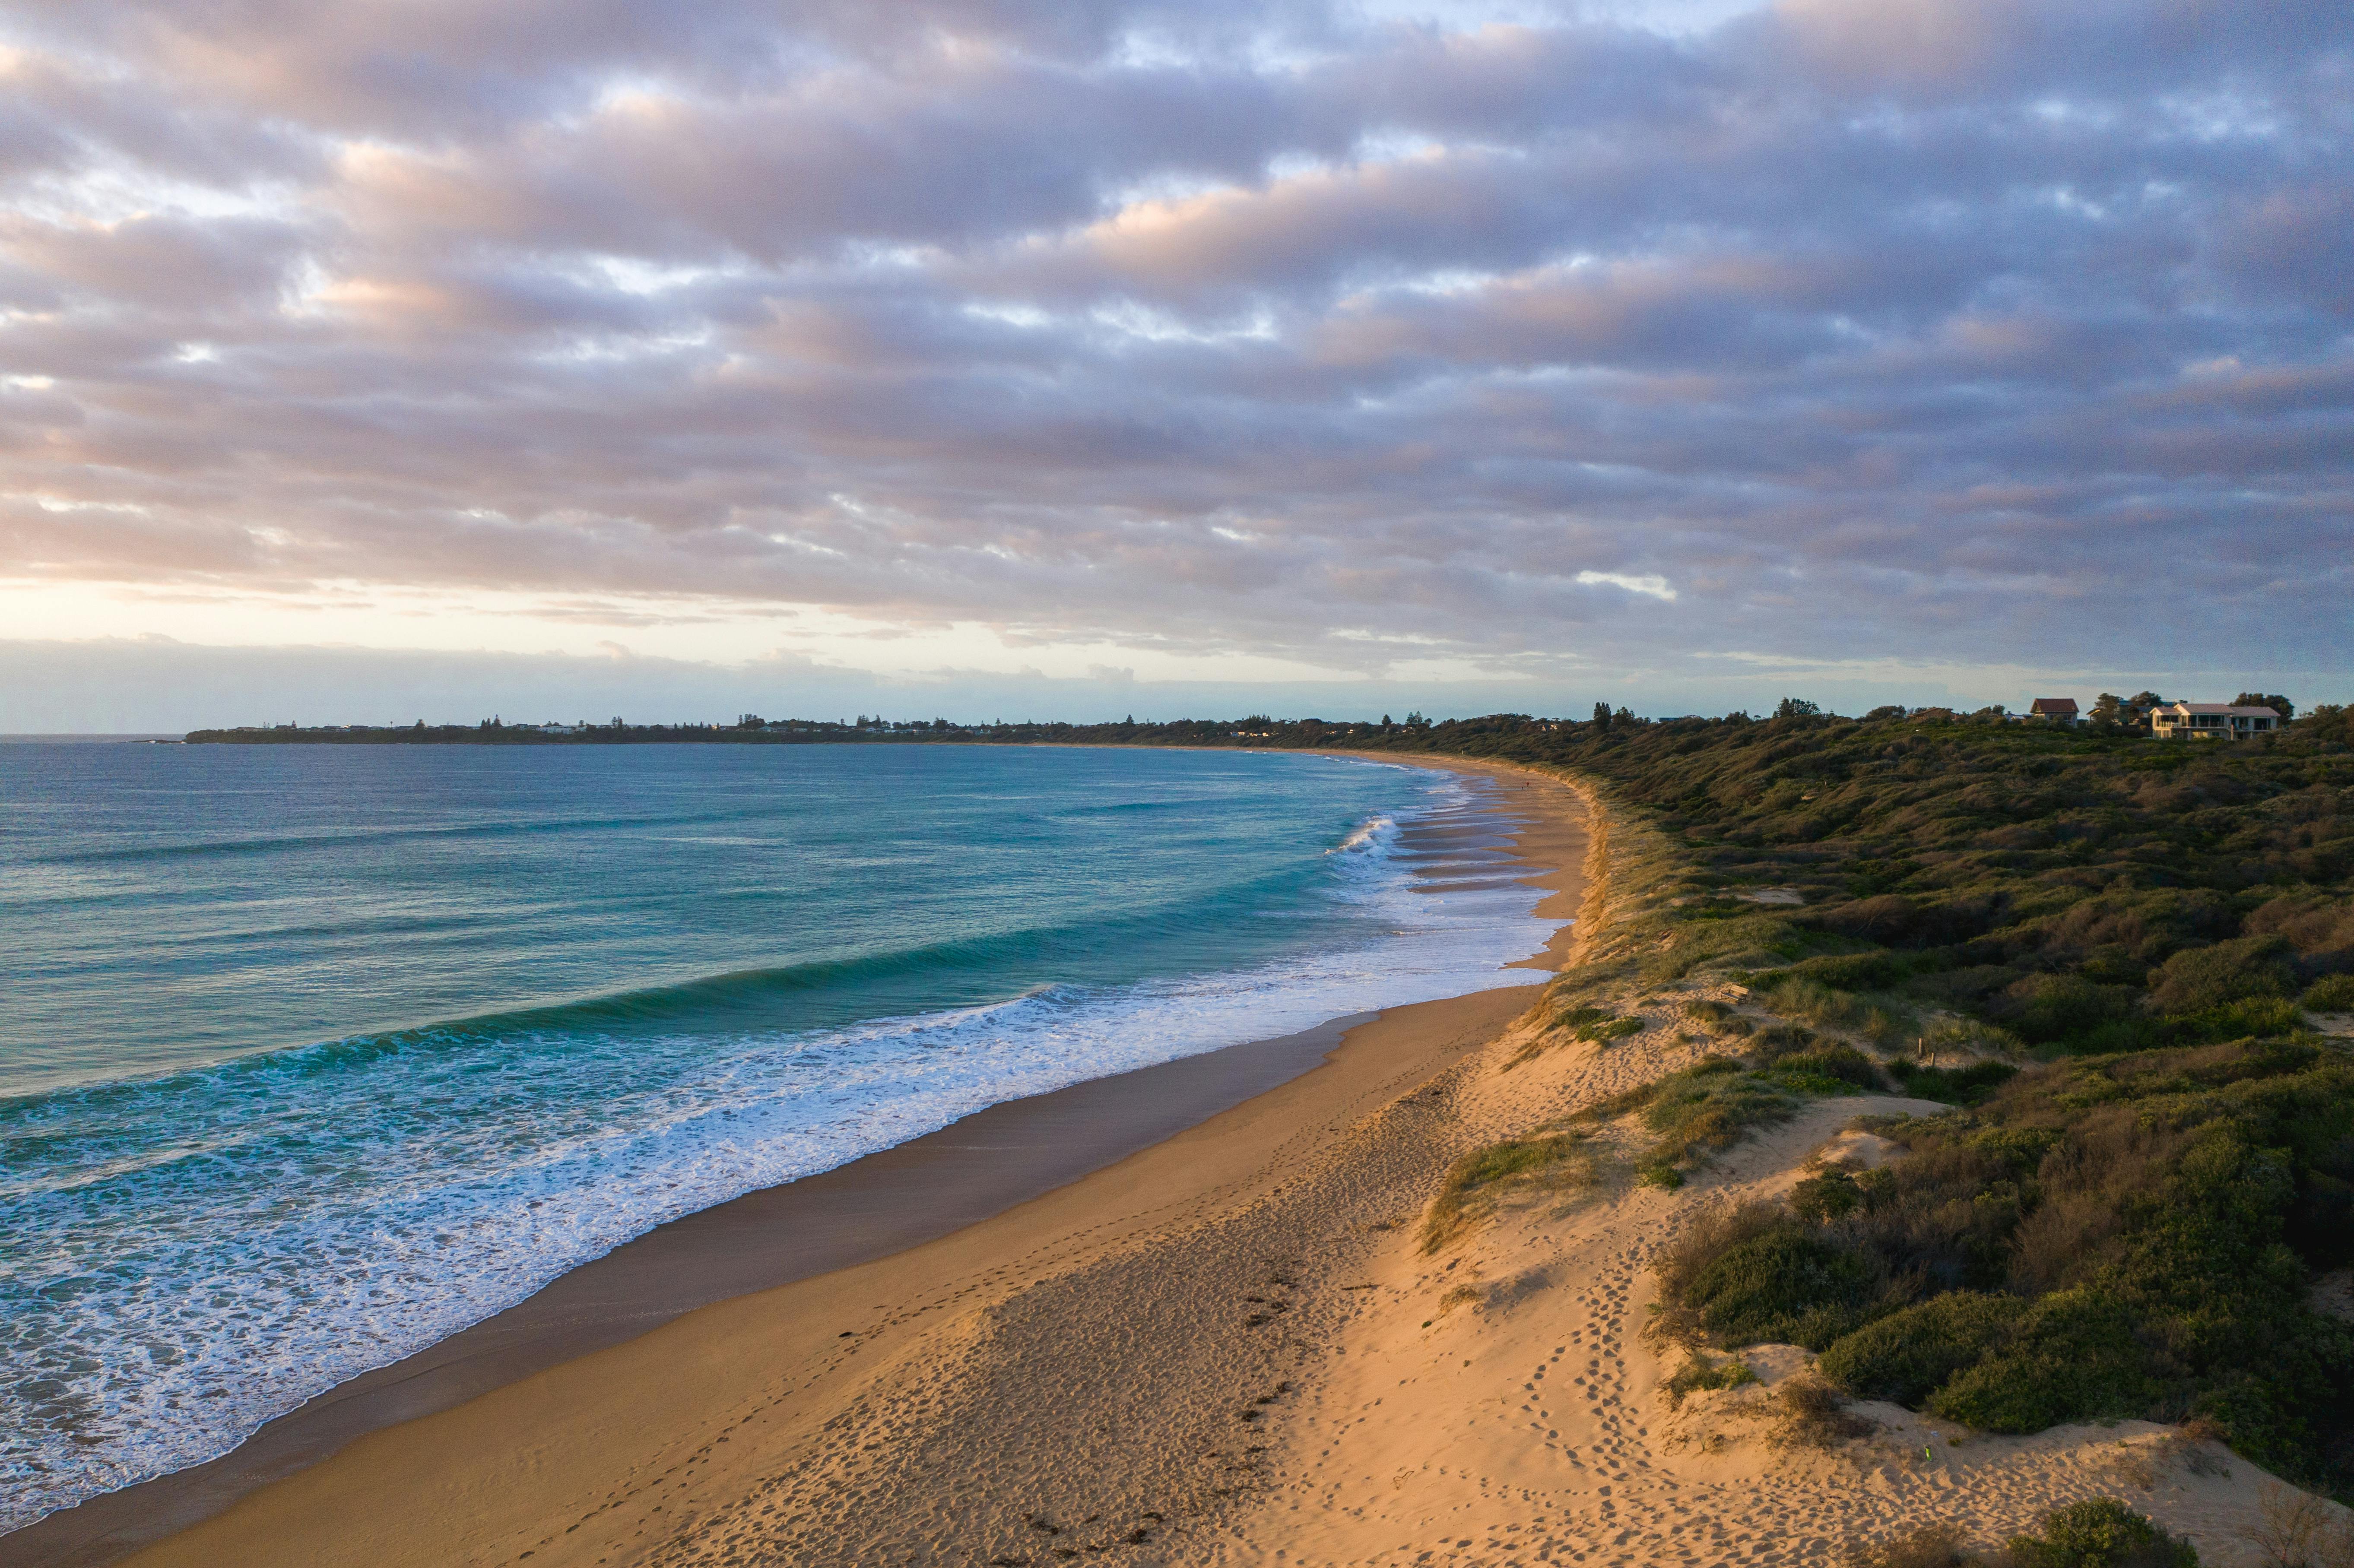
x=312 y=1055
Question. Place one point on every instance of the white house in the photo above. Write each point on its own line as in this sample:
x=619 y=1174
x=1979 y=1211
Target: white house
x=2209 y=721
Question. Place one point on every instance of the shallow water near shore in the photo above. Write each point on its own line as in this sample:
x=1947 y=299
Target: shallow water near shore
x=318 y=1055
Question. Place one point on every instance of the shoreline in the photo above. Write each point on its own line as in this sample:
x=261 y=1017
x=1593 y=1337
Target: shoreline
x=886 y=1206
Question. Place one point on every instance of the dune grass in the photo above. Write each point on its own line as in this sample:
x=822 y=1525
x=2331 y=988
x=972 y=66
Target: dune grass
x=1477 y=1184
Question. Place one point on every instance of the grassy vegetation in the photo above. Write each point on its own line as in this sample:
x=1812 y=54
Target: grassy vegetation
x=2130 y=1235
x=1701 y=1372
x=1695 y=1113
x=1481 y=1181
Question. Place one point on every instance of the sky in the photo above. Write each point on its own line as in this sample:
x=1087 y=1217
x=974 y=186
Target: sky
x=1005 y=358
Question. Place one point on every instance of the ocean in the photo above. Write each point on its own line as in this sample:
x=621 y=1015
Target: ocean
x=313 y=1055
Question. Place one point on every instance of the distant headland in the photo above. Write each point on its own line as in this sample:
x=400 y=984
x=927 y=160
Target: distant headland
x=1521 y=737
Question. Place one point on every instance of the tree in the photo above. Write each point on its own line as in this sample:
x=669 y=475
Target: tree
x=2279 y=704
x=1796 y=708
x=1602 y=715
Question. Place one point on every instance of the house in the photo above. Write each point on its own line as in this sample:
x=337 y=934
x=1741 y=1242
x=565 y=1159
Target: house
x=2209 y=721
x=2059 y=710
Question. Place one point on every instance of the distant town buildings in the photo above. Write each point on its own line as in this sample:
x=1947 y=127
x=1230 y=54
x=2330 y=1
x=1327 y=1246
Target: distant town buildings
x=2209 y=721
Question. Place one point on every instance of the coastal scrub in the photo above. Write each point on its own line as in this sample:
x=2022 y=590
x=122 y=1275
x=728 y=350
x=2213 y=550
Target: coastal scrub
x=2128 y=1236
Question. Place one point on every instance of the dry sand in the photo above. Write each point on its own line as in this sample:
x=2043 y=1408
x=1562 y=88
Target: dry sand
x=1226 y=1348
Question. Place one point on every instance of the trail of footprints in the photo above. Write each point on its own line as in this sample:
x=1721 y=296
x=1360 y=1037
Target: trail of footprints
x=1062 y=1366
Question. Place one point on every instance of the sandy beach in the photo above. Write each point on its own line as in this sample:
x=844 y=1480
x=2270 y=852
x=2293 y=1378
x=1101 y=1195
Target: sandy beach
x=1224 y=1344
x=897 y=1225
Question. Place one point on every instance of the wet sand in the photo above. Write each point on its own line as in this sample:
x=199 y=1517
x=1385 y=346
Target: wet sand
x=448 y=1455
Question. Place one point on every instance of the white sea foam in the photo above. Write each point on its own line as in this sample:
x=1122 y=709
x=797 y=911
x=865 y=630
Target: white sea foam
x=167 y=1339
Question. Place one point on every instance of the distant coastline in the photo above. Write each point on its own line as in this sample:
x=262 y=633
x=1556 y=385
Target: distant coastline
x=807 y=732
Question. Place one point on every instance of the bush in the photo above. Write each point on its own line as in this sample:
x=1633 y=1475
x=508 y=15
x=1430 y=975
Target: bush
x=2243 y=1019
x=1832 y=1195
x=1828 y=1070
x=2073 y=1356
x=2331 y=993
x=2044 y=1010
x=1771 y=1045
x=1783 y=1286
x=1874 y=970
x=2101 y=1532
x=1905 y=1356
x=1969 y=1037
x=1925 y=1546
x=1952 y=1085
x=1814 y=1415
x=2225 y=972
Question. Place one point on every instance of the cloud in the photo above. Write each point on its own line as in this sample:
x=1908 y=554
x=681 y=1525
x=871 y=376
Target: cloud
x=1824 y=330
x=1656 y=587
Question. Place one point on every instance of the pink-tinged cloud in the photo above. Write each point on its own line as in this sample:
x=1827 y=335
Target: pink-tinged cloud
x=1844 y=328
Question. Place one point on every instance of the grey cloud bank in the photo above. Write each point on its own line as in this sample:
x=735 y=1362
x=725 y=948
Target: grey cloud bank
x=1567 y=352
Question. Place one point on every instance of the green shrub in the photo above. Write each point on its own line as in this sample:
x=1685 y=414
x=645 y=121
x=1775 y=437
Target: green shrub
x=2120 y=1034
x=2331 y=993
x=1953 y=1085
x=2071 y=1356
x=1828 y=1070
x=1875 y=970
x=1770 y=1044
x=1782 y=1287
x=1937 y=1545
x=1969 y=1037
x=2224 y=972
x=1832 y=1195
x=2046 y=1009
x=1904 y=1356
x=2101 y=1532
x=2245 y=1019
